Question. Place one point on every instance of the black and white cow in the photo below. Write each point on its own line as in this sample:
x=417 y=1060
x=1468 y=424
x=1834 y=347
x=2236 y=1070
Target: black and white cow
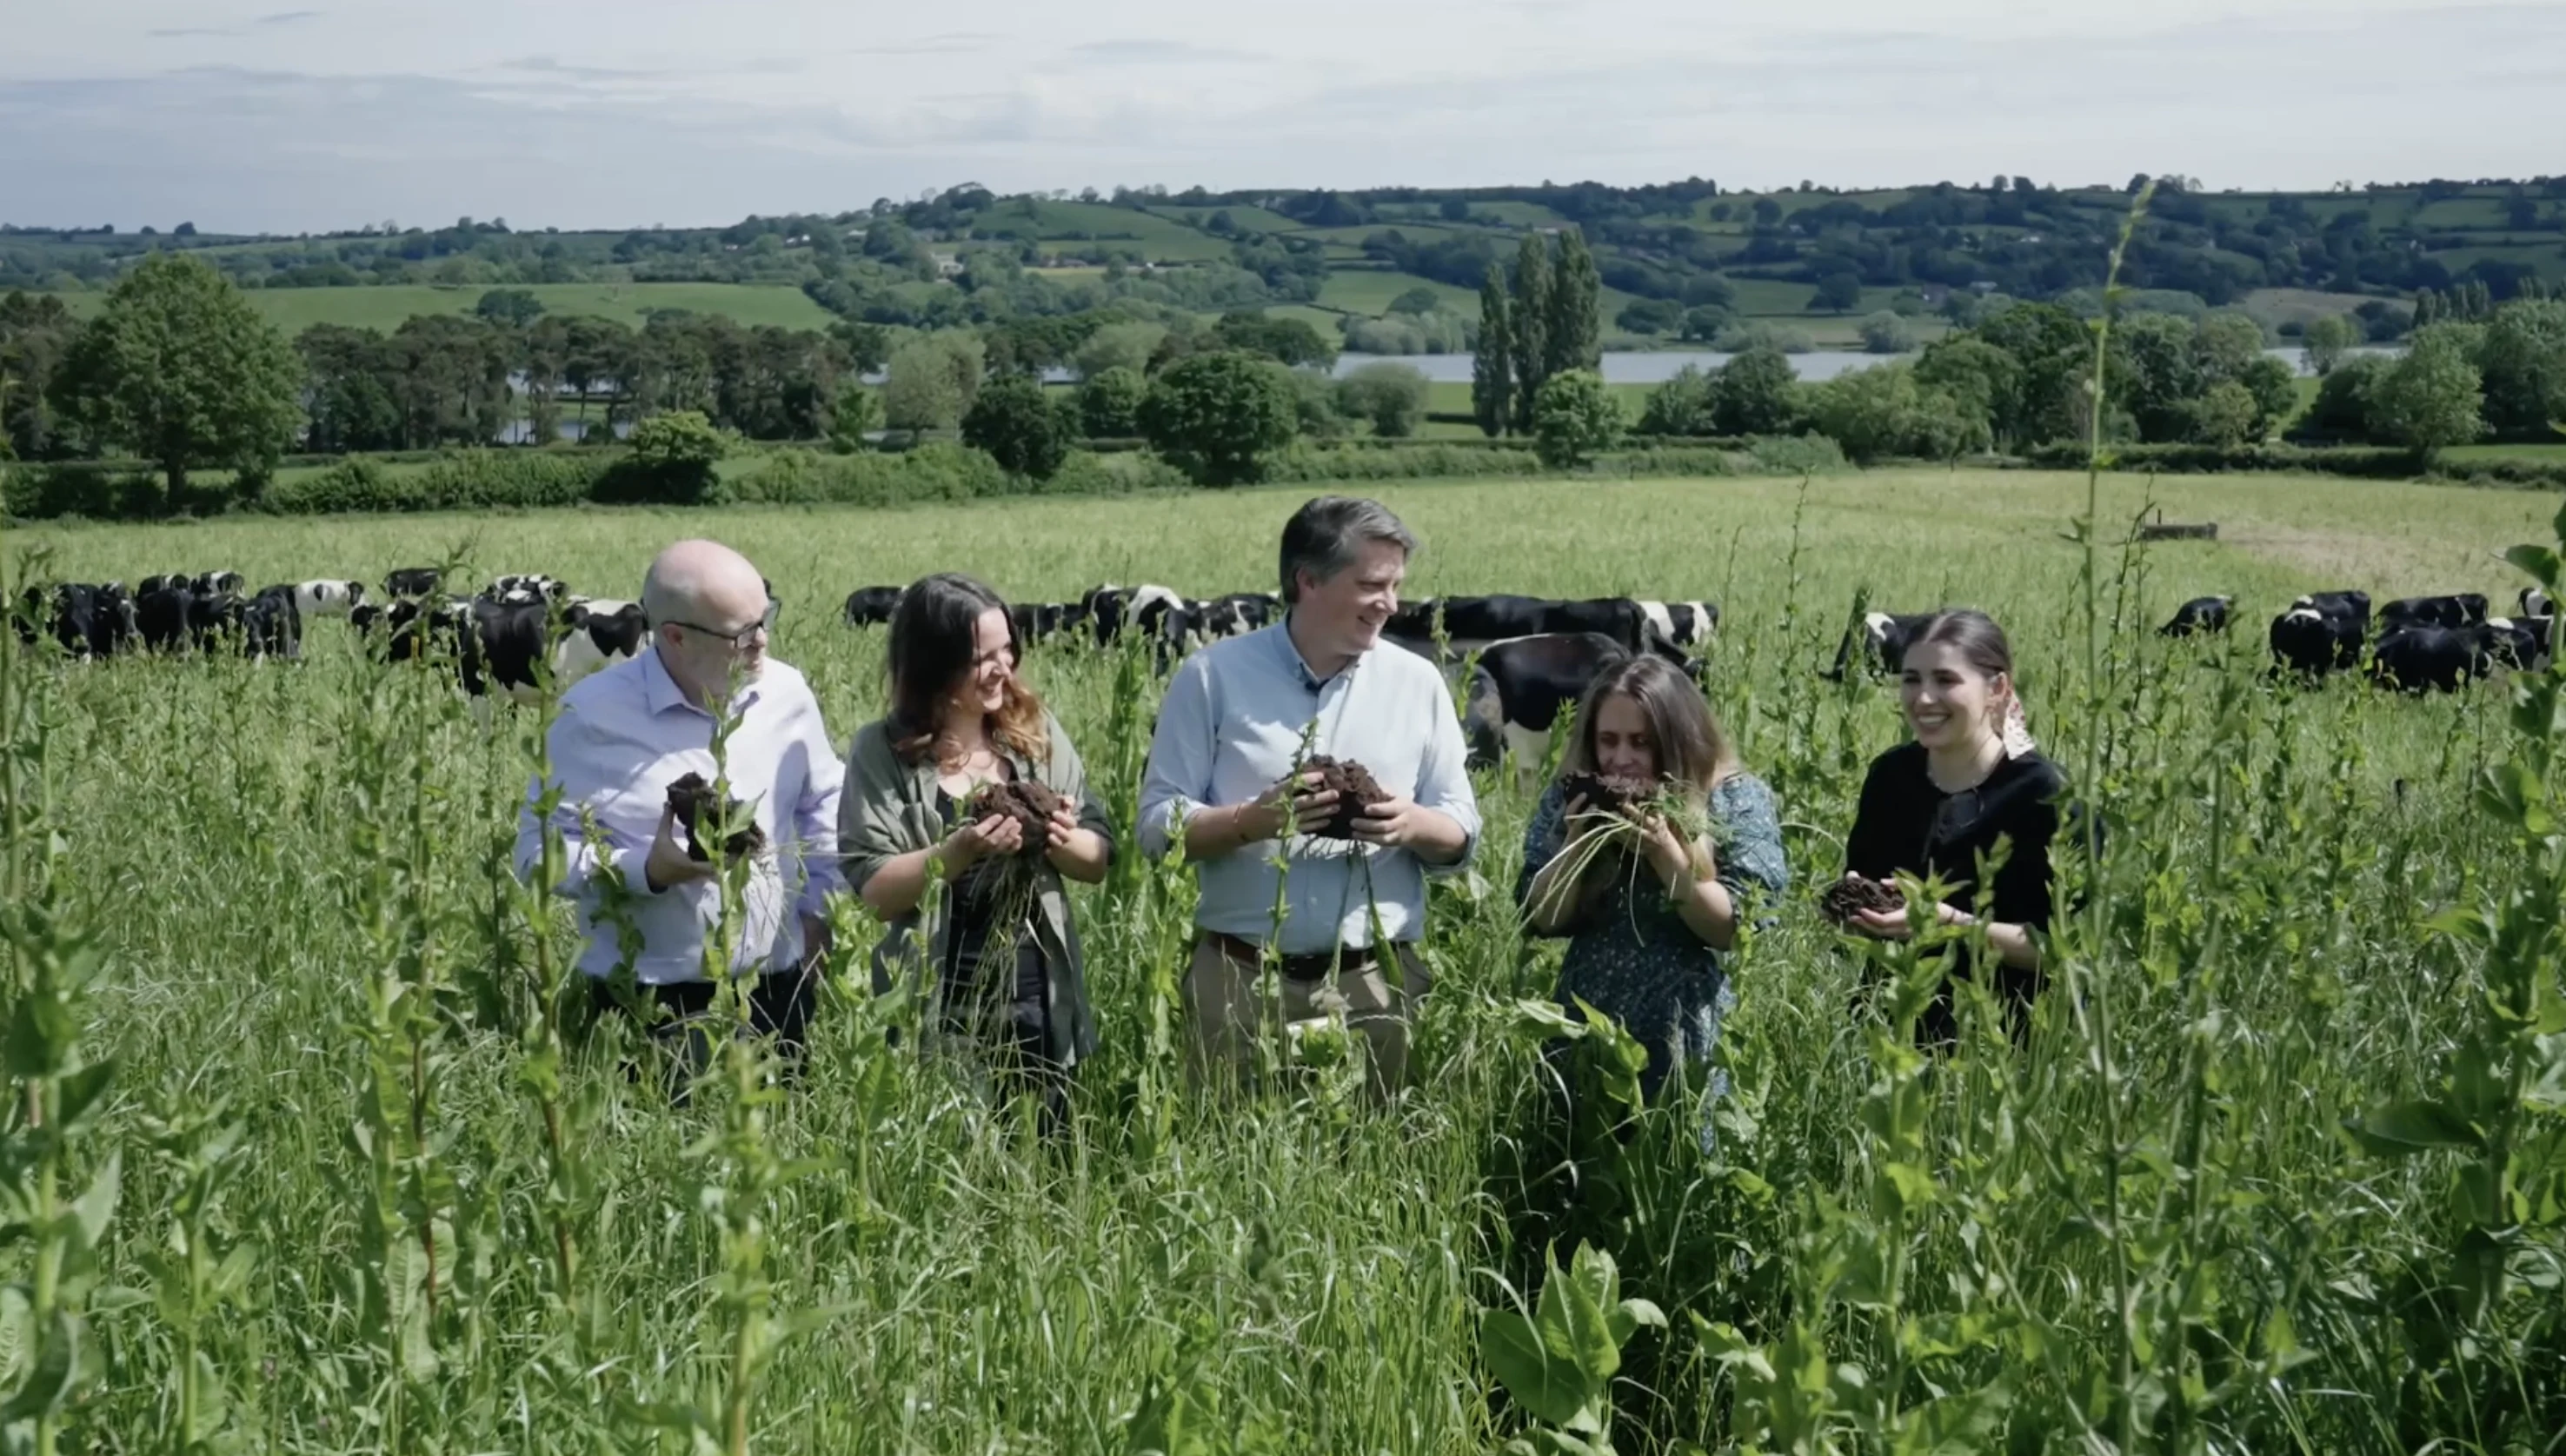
x=1883 y=636
x=413 y=582
x=1471 y=623
x=329 y=597
x=1679 y=624
x=413 y=628
x=1040 y=622
x=2465 y=608
x=2202 y=615
x=2321 y=632
x=161 y=612
x=86 y=619
x=2433 y=659
x=1144 y=609
x=271 y=624
x=2535 y=602
x=161 y=583
x=1233 y=616
x=2519 y=641
x=870 y=605
x=215 y=584
x=1519 y=687
x=516 y=590
x=597 y=630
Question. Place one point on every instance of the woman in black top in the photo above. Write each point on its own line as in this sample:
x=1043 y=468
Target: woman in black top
x=1936 y=805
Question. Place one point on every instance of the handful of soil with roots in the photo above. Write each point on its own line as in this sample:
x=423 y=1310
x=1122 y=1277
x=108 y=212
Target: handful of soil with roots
x=1029 y=802
x=1605 y=794
x=1355 y=789
x=1850 y=895
x=692 y=798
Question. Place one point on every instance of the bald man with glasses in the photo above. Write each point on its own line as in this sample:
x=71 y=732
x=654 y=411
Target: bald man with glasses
x=628 y=732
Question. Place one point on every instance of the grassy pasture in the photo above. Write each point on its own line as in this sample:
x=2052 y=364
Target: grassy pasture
x=1305 y=1270
x=1363 y=291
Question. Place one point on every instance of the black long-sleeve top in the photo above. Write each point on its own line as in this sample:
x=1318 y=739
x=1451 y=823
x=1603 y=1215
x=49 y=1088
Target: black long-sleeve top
x=1906 y=822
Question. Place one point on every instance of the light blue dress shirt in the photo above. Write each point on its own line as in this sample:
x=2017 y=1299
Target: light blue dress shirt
x=1229 y=729
x=623 y=736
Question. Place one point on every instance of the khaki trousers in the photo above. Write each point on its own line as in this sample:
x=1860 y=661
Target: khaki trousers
x=1228 y=1014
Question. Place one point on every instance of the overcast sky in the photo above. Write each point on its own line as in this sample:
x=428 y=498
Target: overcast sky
x=244 y=117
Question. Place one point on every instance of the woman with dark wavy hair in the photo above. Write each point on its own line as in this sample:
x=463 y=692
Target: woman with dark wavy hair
x=1003 y=950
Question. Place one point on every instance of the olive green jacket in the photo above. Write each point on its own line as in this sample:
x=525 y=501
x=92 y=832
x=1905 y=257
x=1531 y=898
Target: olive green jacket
x=888 y=808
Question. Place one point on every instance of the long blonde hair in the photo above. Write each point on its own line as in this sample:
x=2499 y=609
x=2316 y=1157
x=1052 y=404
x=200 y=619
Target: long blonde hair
x=1691 y=749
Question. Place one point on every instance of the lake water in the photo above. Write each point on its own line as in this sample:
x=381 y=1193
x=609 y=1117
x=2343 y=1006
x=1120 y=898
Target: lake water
x=1656 y=367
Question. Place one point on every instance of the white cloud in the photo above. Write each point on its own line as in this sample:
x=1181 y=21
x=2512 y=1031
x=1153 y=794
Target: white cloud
x=580 y=113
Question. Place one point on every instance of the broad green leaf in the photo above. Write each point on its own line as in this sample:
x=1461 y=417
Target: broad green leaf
x=78 y=1096
x=97 y=1206
x=2413 y=1127
x=1962 y=1424
x=50 y=1377
x=2536 y=562
x=1552 y=1390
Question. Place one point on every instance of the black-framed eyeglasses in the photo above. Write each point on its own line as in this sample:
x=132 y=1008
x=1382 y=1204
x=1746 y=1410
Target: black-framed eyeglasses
x=738 y=640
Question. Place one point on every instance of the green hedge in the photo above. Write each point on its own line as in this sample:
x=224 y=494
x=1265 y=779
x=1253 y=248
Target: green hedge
x=934 y=471
x=2366 y=462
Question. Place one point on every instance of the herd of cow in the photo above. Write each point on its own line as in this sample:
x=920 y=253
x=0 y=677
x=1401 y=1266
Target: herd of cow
x=1529 y=656
x=504 y=637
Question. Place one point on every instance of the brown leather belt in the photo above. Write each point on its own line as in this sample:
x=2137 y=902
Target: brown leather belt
x=1317 y=965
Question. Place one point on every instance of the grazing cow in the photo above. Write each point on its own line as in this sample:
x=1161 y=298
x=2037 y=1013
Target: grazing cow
x=2518 y=641
x=1885 y=635
x=600 y=632
x=518 y=590
x=2433 y=659
x=505 y=648
x=413 y=582
x=413 y=627
x=1520 y=686
x=215 y=619
x=178 y=579
x=867 y=606
x=1474 y=622
x=2535 y=602
x=1040 y=622
x=84 y=619
x=272 y=625
x=2321 y=632
x=1233 y=616
x=1111 y=609
x=1679 y=624
x=160 y=613
x=329 y=597
x=2200 y=616
x=215 y=584
x=2467 y=608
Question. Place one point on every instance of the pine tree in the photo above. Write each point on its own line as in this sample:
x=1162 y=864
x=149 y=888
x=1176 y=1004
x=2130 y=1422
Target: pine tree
x=1529 y=343
x=1575 y=335
x=2427 y=308
x=1492 y=363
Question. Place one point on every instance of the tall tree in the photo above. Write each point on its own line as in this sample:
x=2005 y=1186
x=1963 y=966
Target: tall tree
x=36 y=331
x=2434 y=397
x=2524 y=359
x=1529 y=349
x=1574 y=338
x=1492 y=363
x=180 y=370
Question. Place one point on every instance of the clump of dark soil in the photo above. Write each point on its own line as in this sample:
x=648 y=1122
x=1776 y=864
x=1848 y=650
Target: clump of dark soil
x=1029 y=802
x=692 y=799
x=1606 y=794
x=1356 y=791
x=1850 y=895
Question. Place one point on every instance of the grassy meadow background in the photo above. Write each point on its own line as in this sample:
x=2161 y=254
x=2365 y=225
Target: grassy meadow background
x=2147 y=1230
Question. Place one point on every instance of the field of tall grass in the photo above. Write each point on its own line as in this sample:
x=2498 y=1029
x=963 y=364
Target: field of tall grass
x=304 y=1152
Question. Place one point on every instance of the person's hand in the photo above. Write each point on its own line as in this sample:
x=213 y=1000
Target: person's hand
x=1390 y=823
x=971 y=843
x=1057 y=829
x=1666 y=851
x=816 y=938
x=1893 y=925
x=1262 y=817
x=668 y=865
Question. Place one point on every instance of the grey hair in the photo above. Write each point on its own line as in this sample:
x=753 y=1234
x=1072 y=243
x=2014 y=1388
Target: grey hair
x=1323 y=536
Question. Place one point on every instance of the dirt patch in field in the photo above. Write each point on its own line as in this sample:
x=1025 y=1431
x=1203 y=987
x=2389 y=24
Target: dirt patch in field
x=2334 y=555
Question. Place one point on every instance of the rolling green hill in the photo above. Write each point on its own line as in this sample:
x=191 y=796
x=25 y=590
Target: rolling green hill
x=384 y=308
